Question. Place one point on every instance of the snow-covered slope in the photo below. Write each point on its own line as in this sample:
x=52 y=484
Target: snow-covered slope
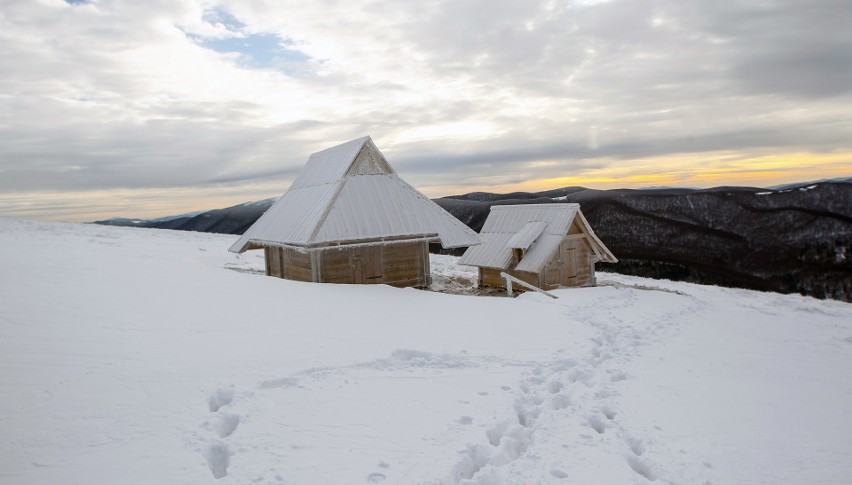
x=147 y=356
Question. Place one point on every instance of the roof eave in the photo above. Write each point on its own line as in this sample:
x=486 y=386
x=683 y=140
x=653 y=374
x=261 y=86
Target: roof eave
x=503 y=268
x=460 y=245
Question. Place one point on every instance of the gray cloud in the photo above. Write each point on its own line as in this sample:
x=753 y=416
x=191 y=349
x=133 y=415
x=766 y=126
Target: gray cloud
x=114 y=94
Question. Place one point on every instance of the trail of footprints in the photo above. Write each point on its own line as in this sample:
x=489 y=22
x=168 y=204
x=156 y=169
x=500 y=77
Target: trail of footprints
x=553 y=389
x=579 y=387
x=223 y=424
x=582 y=388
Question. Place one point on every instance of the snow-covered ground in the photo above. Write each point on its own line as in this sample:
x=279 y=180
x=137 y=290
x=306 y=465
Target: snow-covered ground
x=134 y=356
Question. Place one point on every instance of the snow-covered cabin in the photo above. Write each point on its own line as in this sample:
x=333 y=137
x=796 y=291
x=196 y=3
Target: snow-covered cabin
x=546 y=245
x=349 y=218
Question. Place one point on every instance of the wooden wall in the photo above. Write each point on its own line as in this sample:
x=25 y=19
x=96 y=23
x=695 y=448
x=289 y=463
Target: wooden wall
x=288 y=263
x=491 y=277
x=570 y=266
x=403 y=264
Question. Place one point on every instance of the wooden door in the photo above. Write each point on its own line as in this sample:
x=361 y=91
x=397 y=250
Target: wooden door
x=371 y=265
x=569 y=272
x=367 y=265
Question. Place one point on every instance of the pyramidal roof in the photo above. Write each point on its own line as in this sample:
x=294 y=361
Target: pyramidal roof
x=536 y=228
x=349 y=193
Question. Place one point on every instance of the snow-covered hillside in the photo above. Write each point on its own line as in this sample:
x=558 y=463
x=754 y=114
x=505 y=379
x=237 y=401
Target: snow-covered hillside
x=134 y=356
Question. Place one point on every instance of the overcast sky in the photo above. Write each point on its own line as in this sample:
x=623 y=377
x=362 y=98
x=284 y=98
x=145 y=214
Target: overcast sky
x=156 y=107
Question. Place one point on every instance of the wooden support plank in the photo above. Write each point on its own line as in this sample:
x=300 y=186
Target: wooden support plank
x=509 y=279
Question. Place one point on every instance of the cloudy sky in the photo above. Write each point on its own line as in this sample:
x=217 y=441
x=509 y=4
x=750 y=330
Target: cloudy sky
x=122 y=107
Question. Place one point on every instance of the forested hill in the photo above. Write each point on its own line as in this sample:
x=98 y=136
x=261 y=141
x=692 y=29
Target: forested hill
x=791 y=240
x=796 y=239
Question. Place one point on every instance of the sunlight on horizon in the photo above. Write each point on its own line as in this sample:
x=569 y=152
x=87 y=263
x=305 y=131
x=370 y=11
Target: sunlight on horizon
x=687 y=171
x=762 y=172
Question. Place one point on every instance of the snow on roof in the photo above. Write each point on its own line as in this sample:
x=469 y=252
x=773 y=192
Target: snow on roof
x=350 y=193
x=494 y=252
x=526 y=236
x=536 y=227
x=329 y=166
x=538 y=255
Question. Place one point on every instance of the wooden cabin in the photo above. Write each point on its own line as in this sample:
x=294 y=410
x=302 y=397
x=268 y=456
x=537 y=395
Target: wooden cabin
x=349 y=218
x=546 y=245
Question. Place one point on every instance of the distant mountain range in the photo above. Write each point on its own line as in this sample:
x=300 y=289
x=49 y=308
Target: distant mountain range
x=231 y=220
x=792 y=239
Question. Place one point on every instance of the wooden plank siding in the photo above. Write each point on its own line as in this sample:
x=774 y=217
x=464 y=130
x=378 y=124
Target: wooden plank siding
x=491 y=277
x=575 y=228
x=402 y=264
x=296 y=265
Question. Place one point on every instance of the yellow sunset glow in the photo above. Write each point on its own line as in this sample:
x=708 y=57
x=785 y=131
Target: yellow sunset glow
x=689 y=170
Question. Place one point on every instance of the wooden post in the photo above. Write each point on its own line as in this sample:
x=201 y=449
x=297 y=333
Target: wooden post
x=315 y=263
x=508 y=283
x=266 y=255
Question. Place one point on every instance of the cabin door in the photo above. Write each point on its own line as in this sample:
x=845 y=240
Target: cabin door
x=367 y=265
x=569 y=265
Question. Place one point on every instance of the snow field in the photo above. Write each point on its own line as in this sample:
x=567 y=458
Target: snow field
x=148 y=356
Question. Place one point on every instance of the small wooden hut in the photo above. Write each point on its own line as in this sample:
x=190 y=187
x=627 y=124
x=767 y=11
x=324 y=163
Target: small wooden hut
x=545 y=245
x=349 y=218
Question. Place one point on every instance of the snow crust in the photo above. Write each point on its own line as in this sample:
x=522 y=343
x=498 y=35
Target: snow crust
x=133 y=356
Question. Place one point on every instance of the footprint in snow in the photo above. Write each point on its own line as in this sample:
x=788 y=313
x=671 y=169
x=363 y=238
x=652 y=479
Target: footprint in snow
x=554 y=386
x=641 y=467
x=596 y=424
x=218 y=458
x=220 y=398
x=376 y=478
x=608 y=412
x=526 y=415
x=560 y=401
x=225 y=424
x=635 y=444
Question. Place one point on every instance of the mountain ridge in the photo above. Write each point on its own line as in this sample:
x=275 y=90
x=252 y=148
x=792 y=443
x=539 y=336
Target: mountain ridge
x=795 y=239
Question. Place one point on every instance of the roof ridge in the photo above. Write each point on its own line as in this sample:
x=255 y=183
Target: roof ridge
x=321 y=219
x=362 y=138
x=521 y=206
